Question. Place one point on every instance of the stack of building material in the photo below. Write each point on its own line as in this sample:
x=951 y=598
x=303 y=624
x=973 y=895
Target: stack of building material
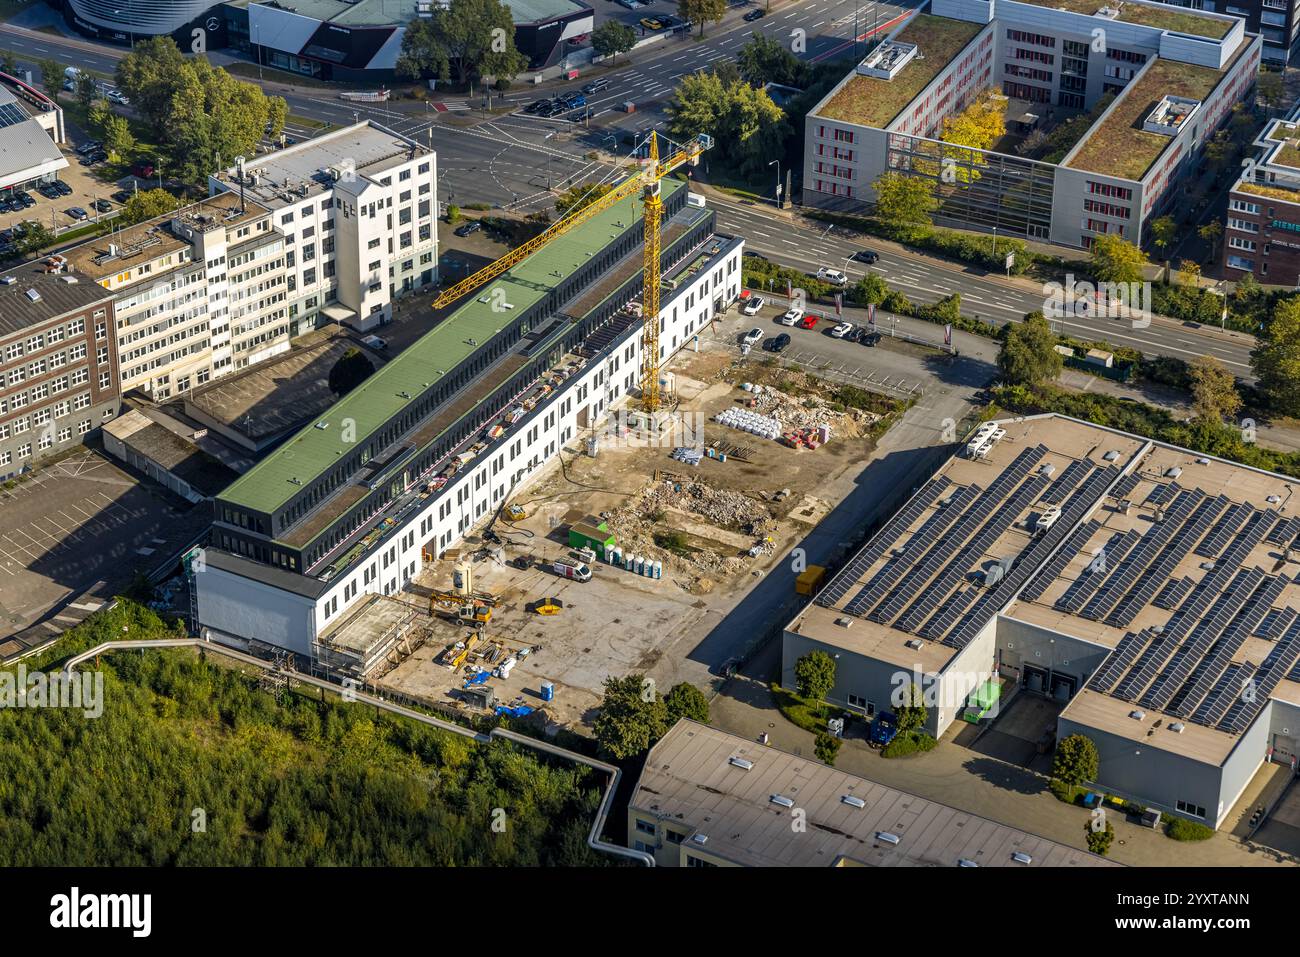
x=751 y=422
x=687 y=455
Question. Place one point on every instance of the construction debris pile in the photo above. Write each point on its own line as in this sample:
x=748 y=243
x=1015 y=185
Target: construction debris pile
x=807 y=413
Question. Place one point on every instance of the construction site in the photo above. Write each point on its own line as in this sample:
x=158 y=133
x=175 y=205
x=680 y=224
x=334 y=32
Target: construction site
x=674 y=528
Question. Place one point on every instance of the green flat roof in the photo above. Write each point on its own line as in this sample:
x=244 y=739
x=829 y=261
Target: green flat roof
x=1117 y=145
x=1161 y=16
x=269 y=484
x=871 y=101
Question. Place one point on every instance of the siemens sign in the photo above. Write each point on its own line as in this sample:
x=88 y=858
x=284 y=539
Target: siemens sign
x=1294 y=227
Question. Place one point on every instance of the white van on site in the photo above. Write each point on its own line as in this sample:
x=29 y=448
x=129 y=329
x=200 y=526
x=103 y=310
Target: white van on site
x=833 y=276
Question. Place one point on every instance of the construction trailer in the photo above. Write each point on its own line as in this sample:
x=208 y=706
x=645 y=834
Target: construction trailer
x=591 y=533
x=810 y=580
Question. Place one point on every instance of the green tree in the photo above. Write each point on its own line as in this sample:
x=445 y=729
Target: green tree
x=453 y=214
x=467 y=40
x=612 y=38
x=1270 y=89
x=765 y=59
x=350 y=371
x=1210 y=233
x=8 y=62
x=1220 y=152
x=150 y=75
x=814 y=675
x=1276 y=358
x=118 y=139
x=147 y=204
x=51 y=76
x=910 y=709
x=632 y=717
x=902 y=200
x=1028 y=355
x=747 y=127
x=1100 y=836
x=1076 y=761
x=870 y=289
x=826 y=747
x=1115 y=259
x=87 y=90
x=579 y=196
x=702 y=11
x=1214 y=390
x=36 y=236
x=686 y=701
x=1163 y=231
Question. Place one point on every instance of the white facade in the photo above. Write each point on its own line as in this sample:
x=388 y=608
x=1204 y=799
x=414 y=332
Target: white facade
x=473 y=493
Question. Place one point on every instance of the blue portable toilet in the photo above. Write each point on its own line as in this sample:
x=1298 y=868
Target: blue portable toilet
x=548 y=691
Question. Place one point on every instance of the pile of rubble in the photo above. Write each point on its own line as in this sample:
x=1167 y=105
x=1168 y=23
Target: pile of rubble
x=807 y=412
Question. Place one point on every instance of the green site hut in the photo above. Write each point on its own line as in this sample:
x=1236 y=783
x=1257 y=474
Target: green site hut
x=591 y=533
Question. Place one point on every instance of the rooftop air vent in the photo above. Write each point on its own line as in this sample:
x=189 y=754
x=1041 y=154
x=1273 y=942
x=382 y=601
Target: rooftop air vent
x=844 y=622
x=1202 y=461
x=322 y=425
x=1273 y=499
x=1020 y=857
x=8 y=280
x=1047 y=471
x=1137 y=715
x=1111 y=456
x=887 y=837
x=741 y=763
x=1177 y=727
x=782 y=800
x=1173 y=472
x=916 y=644
x=700 y=838
x=1208 y=566
x=853 y=801
x=966 y=862
x=33 y=295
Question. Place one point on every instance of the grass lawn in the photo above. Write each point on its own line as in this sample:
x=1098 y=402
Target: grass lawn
x=809 y=715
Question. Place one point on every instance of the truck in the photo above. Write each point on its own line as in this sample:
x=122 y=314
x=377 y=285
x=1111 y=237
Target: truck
x=883 y=729
x=568 y=568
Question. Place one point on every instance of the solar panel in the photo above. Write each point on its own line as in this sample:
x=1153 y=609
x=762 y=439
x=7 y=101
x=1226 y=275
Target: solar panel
x=1145 y=668
x=1125 y=486
x=1117 y=662
x=1284 y=533
x=881 y=541
x=1208 y=588
x=1276 y=666
x=1162 y=493
x=1112 y=553
x=1065 y=484
x=11 y=115
x=1053 y=569
x=1211 y=668
x=1202 y=637
x=1224 y=529
x=946 y=616
x=1173 y=593
x=1270 y=626
x=1226 y=691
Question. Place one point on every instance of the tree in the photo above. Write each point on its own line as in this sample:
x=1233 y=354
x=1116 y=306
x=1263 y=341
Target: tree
x=1163 y=231
x=1117 y=260
x=116 y=131
x=1276 y=358
x=1076 y=761
x=1100 y=836
x=87 y=90
x=1210 y=233
x=36 y=236
x=910 y=709
x=1189 y=274
x=579 y=196
x=868 y=290
x=686 y=701
x=147 y=204
x=747 y=127
x=1270 y=89
x=702 y=11
x=1220 y=152
x=1214 y=390
x=826 y=747
x=350 y=371
x=150 y=75
x=453 y=214
x=903 y=200
x=612 y=38
x=467 y=39
x=632 y=717
x=51 y=76
x=1028 y=355
x=814 y=675
x=9 y=62
x=765 y=59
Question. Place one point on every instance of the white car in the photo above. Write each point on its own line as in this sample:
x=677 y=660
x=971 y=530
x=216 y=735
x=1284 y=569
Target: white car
x=833 y=276
x=791 y=316
x=118 y=97
x=753 y=336
x=842 y=330
x=752 y=305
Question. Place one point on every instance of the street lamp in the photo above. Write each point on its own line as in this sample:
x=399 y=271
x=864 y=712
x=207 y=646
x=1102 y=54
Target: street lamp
x=777 y=164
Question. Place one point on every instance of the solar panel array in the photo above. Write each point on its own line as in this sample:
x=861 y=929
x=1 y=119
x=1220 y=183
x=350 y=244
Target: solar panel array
x=1224 y=529
x=1074 y=473
x=1147 y=551
x=1111 y=554
x=1173 y=593
x=1162 y=493
x=1118 y=661
x=1053 y=569
x=11 y=115
x=1226 y=690
x=1284 y=534
x=1125 y=486
x=1091 y=492
x=882 y=540
x=1276 y=666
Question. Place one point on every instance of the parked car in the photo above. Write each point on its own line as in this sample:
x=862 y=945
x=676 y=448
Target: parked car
x=469 y=228
x=791 y=316
x=832 y=276
x=870 y=338
x=753 y=336
x=630 y=4
x=865 y=256
x=535 y=107
x=89 y=146
x=841 y=330
x=122 y=195
x=752 y=305
x=142 y=170
x=651 y=23
x=779 y=343
x=102 y=205
x=757 y=14
x=76 y=212
x=62 y=188
x=595 y=86
x=808 y=321
x=25 y=198
x=577 y=101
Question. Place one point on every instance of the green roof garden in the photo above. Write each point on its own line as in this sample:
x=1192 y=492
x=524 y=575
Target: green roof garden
x=1161 y=16
x=301 y=460
x=871 y=101
x=1117 y=145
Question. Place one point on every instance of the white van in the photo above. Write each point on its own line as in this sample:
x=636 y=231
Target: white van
x=832 y=276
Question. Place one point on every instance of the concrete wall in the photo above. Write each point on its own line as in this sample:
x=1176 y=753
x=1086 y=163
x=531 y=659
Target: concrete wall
x=236 y=609
x=1020 y=644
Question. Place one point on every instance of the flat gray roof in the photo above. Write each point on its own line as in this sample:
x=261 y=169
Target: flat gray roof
x=689 y=781
x=57 y=294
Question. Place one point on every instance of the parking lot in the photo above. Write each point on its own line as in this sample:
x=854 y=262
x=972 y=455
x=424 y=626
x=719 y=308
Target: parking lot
x=75 y=523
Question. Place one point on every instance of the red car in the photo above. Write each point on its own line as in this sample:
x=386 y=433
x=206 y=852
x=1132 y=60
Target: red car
x=808 y=321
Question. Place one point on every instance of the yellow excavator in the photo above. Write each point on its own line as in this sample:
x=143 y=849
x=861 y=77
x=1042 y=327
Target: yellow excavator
x=645 y=181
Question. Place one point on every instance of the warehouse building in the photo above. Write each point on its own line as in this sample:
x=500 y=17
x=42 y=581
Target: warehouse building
x=31 y=128
x=404 y=465
x=58 y=362
x=1107 y=108
x=707 y=798
x=1148 y=589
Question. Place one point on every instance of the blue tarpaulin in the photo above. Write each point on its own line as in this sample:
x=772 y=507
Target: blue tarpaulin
x=478 y=678
x=520 y=712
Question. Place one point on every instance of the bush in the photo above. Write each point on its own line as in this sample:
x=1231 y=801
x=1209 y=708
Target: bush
x=453 y=215
x=1066 y=793
x=1099 y=841
x=827 y=747
x=1181 y=829
x=809 y=715
x=914 y=742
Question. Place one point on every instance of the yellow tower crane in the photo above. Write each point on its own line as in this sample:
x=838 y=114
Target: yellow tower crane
x=646 y=181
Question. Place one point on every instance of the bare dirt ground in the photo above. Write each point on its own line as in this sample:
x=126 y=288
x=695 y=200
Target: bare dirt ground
x=700 y=522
